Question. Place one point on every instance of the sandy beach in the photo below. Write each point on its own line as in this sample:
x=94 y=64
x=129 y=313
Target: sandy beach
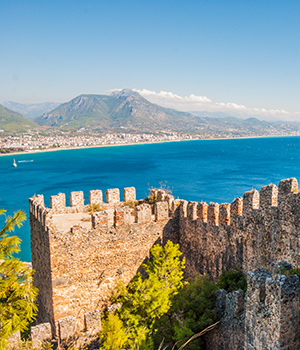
x=139 y=143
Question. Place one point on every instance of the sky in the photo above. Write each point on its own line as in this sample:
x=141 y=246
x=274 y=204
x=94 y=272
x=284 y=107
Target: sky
x=223 y=56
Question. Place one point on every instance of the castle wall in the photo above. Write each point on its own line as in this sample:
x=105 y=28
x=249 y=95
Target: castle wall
x=81 y=255
x=256 y=230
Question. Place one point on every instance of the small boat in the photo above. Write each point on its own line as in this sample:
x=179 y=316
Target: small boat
x=14 y=163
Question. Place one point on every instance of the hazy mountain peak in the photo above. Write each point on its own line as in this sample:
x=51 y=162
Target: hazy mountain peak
x=124 y=93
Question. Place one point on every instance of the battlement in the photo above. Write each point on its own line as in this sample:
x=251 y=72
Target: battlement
x=226 y=214
x=80 y=251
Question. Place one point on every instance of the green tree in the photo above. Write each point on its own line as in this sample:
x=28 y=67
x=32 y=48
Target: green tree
x=113 y=334
x=192 y=310
x=231 y=280
x=147 y=298
x=17 y=294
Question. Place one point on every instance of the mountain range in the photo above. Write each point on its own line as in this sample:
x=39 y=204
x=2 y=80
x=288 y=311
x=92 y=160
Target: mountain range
x=127 y=111
x=30 y=111
x=13 y=121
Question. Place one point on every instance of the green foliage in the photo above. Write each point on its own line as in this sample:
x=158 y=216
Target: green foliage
x=284 y=271
x=192 y=310
x=27 y=345
x=17 y=294
x=146 y=299
x=93 y=208
x=232 y=280
x=113 y=334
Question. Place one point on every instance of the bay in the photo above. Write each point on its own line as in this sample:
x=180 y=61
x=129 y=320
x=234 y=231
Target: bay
x=208 y=170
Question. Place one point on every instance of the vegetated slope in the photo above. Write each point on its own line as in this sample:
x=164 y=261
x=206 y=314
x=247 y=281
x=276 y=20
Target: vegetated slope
x=127 y=110
x=30 y=111
x=13 y=121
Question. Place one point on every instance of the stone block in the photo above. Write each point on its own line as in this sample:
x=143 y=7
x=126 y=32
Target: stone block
x=161 y=211
x=92 y=322
x=58 y=202
x=76 y=199
x=250 y=202
x=268 y=197
x=213 y=214
x=95 y=197
x=236 y=208
x=224 y=214
x=100 y=219
x=67 y=328
x=192 y=210
x=112 y=196
x=202 y=209
x=119 y=217
x=129 y=194
x=143 y=213
x=40 y=334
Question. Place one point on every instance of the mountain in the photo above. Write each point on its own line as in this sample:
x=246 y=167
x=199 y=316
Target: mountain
x=127 y=110
x=31 y=111
x=13 y=121
x=124 y=109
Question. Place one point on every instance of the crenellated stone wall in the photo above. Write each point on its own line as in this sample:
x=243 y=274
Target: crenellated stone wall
x=79 y=254
x=256 y=230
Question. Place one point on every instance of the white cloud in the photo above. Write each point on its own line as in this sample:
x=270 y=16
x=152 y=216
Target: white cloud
x=204 y=104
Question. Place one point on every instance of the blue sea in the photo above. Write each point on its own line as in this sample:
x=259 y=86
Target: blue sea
x=208 y=170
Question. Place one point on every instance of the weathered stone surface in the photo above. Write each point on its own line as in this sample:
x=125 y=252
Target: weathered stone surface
x=251 y=232
x=112 y=196
x=77 y=199
x=272 y=319
x=143 y=213
x=40 y=334
x=67 y=329
x=161 y=211
x=92 y=322
x=230 y=333
x=129 y=194
x=58 y=202
x=95 y=197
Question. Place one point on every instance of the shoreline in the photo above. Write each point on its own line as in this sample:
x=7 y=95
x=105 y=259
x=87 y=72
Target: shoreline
x=140 y=143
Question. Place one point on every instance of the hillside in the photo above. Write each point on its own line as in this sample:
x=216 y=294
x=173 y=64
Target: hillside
x=13 y=121
x=30 y=111
x=124 y=109
x=128 y=111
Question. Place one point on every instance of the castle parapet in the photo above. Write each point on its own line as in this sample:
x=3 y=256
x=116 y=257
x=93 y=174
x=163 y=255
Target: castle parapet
x=77 y=199
x=286 y=187
x=143 y=213
x=250 y=202
x=183 y=209
x=268 y=197
x=192 y=211
x=112 y=196
x=58 y=202
x=236 y=209
x=129 y=194
x=224 y=214
x=202 y=209
x=161 y=211
x=213 y=214
x=95 y=197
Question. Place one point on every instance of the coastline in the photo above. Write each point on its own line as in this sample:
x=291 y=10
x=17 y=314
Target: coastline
x=140 y=143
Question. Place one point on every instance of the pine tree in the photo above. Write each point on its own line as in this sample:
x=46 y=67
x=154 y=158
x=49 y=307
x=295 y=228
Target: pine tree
x=146 y=299
x=17 y=294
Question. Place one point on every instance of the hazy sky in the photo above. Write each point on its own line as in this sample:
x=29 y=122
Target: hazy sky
x=230 y=52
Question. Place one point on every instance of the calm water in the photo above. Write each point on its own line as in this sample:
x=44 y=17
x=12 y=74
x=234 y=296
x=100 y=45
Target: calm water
x=210 y=170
